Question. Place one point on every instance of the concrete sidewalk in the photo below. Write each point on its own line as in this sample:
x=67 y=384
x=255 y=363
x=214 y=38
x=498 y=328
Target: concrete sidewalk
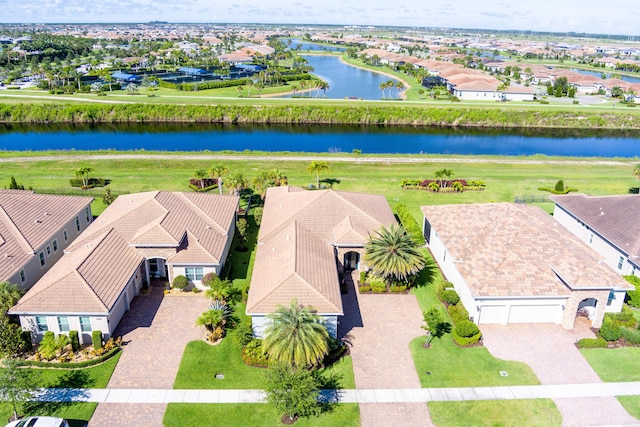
x=410 y=395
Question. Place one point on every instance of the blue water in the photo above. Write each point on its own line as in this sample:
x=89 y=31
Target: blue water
x=346 y=81
x=316 y=139
x=302 y=45
x=629 y=79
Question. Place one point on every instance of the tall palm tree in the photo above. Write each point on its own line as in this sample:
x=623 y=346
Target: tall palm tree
x=382 y=87
x=316 y=167
x=636 y=171
x=237 y=182
x=393 y=254
x=297 y=337
x=399 y=86
x=217 y=171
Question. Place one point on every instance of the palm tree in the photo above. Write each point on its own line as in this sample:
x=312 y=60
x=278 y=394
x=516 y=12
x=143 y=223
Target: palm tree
x=84 y=173
x=636 y=171
x=382 y=87
x=237 y=182
x=210 y=319
x=316 y=167
x=200 y=174
x=393 y=254
x=278 y=177
x=297 y=337
x=261 y=182
x=399 y=86
x=217 y=171
x=444 y=173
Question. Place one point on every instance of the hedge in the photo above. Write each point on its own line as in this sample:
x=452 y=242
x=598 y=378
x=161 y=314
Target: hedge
x=410 y=224
x=75 y=341
x=458 y=313
x=466 y=329
x=592 y=343
x=634 y=296
x=67 y=365
x=632 y=336
x=450 y=296
x=96 y=339
x=466 y=341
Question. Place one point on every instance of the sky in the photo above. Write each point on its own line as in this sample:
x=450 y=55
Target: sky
x=581 y=16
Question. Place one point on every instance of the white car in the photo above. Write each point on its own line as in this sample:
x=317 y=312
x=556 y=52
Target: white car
x=39 y=422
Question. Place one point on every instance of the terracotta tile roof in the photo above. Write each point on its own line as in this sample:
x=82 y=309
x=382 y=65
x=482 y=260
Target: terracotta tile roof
x=295 y=264
x=505 y=249
x=616 y=218
x=87 y=280
x=295 y=256
x=28 y=221
x=97 y=266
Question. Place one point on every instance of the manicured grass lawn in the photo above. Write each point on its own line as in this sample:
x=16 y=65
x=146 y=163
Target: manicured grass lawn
x=95 y=377
x=503 y=413
x=233 y=415
x=631 y=404
x=614 y=364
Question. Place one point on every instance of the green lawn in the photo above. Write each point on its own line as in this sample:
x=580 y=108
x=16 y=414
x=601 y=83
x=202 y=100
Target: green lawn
x=614 y=364
x=631 y=404
x=233 y=415
x=502 y=413
x=94 y=377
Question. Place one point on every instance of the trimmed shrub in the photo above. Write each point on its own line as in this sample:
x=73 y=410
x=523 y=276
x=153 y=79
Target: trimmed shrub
x=397 y=288
x=378 y=287
x=75 y=341
x=624 y=318
x=363 y=277
x=466 y=341
x=609 y=330
x=96 y=339
x=65 y=365
x=633 y=296
x=559 y=186
x=632 y=336
x=253 y=355
x=458 y=313
x=180 y=282
x=443 y=287
x=466 y=328
x=592 y=343
x=450 y=296
x=410 y=224
x=365 y=288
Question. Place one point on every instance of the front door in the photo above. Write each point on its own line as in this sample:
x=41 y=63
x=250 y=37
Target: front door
x=351 y=260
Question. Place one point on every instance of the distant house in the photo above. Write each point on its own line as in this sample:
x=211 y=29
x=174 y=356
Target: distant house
x=35 y=229
x=519 y=93
x=306 y=239
x=610 y=225
x=512 y=263
x=139 y=237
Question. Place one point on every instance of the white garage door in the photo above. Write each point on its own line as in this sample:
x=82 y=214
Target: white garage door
x=493 y=314
x=535 y=314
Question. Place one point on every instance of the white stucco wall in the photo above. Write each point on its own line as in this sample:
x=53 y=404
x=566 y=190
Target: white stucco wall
x=98 y=323
x=467 y=95
x=609 y=253
x=518 y=96
x=179 y=270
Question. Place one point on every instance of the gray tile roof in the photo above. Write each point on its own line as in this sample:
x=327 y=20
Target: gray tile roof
x=505 y=249
x=616 y=218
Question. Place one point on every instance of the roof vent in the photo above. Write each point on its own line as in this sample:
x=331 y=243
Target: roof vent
x=7 y=256
x=208 y=227
x=37 y=221
x=47 y=214
x=288 y=237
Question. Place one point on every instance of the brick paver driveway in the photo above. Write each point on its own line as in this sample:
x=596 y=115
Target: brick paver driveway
x=550 y=351
x=379 y=329
x=155 y=331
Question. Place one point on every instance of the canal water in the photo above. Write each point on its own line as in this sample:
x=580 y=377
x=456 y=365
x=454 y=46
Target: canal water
x=371 y=139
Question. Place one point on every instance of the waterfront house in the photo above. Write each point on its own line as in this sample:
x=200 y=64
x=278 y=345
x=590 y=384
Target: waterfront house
x=513 y=263
x=35 y=229
x=139 y=237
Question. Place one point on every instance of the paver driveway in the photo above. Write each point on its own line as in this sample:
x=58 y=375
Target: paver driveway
x=550 y=351
x=379 y=329
x=155 y=331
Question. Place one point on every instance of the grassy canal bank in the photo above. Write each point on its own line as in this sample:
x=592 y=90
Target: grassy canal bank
x=318 y=111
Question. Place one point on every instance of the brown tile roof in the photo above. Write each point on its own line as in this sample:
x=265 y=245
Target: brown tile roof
x=97 y=266
x=295 y=264
x=87 y=280
x=28 y=221
x=505 y=249
x=616 y=218
x=295 y=256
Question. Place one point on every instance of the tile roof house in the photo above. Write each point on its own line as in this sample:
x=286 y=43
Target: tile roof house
x=609 y=224
x=306 y=238
x=512 y=263
x=138 y=237
x=34 y=231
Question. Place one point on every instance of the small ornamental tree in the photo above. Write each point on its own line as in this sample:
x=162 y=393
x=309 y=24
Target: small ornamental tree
x=16 y=385
x=435 y=325
x=108 y=198
x=294 y=393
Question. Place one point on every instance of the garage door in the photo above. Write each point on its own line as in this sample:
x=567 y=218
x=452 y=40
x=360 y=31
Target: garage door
x=493 y=314
x=535 y=314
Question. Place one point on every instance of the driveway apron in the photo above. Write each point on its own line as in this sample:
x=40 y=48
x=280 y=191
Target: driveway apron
x=379 y=329
x=551 y=352
x=155 y=332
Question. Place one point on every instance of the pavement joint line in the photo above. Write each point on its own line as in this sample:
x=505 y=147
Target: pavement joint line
x=402 y=395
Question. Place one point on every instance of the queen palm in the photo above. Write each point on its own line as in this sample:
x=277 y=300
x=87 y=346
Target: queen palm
x=200 y=175
x=636 y=171
x=297 y=337
x=84 y=173
x=217 y=171
x=316 y=167
x=393 y=254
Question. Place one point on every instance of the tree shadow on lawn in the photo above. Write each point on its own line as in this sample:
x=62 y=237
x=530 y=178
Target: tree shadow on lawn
x=428 y=274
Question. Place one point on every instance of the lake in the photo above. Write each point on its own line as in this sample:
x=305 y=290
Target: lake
x=346 y=81
x=597 y=74
x=372 y=139
x=302 y=45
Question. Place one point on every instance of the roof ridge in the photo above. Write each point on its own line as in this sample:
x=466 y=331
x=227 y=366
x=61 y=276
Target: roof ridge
x=86 y=258
x=16 y=228
x=271 y=291
x=89 y=287
x=199 y=211
x=340 y=195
